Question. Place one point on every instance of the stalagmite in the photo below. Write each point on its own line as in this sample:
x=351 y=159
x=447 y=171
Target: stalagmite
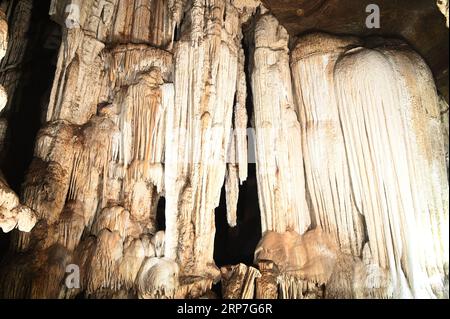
x=133 y=257
x=158 y=278
x=238 y=282
x=311 y=257
x=104 y=266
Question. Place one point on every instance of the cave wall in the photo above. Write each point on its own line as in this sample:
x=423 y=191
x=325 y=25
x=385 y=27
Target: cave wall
x=12 y=213
x=113 y=119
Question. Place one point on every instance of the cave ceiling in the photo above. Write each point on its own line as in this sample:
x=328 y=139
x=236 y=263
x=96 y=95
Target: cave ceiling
x=419 y=22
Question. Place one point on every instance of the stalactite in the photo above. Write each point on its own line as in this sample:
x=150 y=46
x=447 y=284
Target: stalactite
x=240 y=120
x=328 y=182
x=237 y=161
x=384 y=200
x=79 y=63
x=294 y=288
x=394 y=182
x=98 y=166
x=3 y=93
x=111 y=138
x=12 y=213
x=278 y=149
x=201 y=125
x=267 y=285
x=149 y=101
x=3 y=35
x=232 y=193
x=71 y=225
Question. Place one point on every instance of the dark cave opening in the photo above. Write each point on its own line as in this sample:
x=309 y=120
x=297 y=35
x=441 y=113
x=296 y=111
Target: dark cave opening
x=234 y=245
x=161 y=215
x=5 y=240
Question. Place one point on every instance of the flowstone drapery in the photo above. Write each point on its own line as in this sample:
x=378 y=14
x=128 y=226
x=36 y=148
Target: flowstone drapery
x=150 y=105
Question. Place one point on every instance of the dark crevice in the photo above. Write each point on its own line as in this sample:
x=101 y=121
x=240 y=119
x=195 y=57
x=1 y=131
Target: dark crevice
x=249 y=48
x=234 y=245
x=31 y=96
x=161 y=215
x=5 y=241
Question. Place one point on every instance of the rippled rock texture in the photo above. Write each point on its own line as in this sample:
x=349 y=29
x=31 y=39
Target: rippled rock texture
x=148 y=115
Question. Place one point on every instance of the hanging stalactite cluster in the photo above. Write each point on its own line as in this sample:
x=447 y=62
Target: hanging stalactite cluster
x=150 y=100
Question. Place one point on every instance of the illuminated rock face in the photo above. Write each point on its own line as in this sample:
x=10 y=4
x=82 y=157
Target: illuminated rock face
x=281 y=186
x=374 y=151
x=150 y=100
x=136 y=113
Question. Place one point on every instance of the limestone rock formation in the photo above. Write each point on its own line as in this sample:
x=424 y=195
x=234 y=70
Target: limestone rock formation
x=12 y=213
x=443 y=6
x=281 y=185
x=238 y=282
x=143 y=145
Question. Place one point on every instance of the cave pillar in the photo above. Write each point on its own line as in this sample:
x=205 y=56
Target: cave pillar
x=281 y=182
